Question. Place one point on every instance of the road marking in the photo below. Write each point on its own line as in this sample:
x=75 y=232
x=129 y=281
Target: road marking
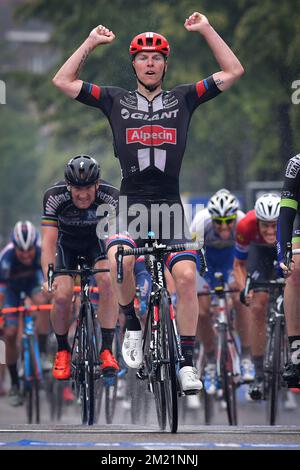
x=152 y=445
x=219 y=430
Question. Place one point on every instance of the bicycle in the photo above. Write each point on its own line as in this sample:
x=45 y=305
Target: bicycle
x=108 y=386
x=276 y=353
x=228 y=356
x=85 y=363
x=32 y=375
x=162 y=353
x=136 y=389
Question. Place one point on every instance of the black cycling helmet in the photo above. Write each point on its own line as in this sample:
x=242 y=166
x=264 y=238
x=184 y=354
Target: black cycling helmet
x=82 y=171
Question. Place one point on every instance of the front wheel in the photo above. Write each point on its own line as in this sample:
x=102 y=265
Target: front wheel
x=274 y=383
x=227 y=382
x=154 y=383
x=169 y=360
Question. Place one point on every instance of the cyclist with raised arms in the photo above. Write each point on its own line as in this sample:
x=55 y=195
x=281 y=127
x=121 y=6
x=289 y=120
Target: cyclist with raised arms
x=69 y=226
x=256 y=253
x=289 y=232
x=20 y=272
x=216 y=224
x=150 y=130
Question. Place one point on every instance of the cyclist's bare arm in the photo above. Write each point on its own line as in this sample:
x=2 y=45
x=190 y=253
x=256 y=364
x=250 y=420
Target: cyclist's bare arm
x=240 y=272
x=49 y=240
x=231 y=68
x=66 y=78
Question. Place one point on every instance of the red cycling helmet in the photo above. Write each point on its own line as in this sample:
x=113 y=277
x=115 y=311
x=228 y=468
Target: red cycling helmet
x=149 y=42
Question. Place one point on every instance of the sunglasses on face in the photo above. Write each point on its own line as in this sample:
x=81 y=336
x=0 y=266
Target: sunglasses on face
x=224 y=220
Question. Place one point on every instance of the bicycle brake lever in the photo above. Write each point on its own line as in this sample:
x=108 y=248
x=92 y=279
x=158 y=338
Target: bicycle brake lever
x=119 y=259
x=50 y=277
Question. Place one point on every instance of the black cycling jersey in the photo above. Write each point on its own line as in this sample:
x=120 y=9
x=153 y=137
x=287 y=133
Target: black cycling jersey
x=289 y=224
x=73 y=223
x=149 y=136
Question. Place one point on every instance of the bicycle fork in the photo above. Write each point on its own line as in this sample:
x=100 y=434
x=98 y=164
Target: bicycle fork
x=231 y=342
x=32 y=360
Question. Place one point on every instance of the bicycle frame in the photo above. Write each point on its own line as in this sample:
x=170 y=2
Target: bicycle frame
x=155 y=265
x=85 y=348
x=275 y=314
x=85 y=273
x=31 y=371
x=276 y=351
x=163 y=353
x=223 y=323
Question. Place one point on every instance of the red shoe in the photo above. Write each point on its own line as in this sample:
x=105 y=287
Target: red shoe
x=62 y=365
x=109 y=364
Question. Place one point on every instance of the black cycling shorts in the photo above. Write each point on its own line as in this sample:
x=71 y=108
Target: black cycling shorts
x=165 y=218
x=68 y=251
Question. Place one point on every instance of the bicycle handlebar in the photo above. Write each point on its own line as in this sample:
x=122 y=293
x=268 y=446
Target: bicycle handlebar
x=157 y=249
x=32 y=308
x=288 y=255
x=273 y=283
x=73 y=272
x=216 y=292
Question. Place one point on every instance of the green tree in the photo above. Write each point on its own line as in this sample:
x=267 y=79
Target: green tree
x=248 y=132
x=19 y=162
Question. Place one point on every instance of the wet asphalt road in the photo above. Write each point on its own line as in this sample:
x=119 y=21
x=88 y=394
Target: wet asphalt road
x=252 y=431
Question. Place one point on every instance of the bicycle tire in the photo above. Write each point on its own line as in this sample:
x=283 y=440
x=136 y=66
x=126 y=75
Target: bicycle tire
x=111 y=382
x=228 y=385
x=79 y=364
x=36 y=382
x=31 y=386
x=29 y=402
x=27 y=383
x=37 y=401
x=208 y=407
x=90 y=360
x=110 y=399
x=134 y=392
x=139 y=399
x=275 y=368
x=99 y=399
x=207 y=400
x=55 y=398
x=170 y=361
x=154 y=382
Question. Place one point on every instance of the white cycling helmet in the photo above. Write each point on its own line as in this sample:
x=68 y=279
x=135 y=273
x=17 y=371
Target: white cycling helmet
x=24 y=235
x=223 y=204
x=267 y=207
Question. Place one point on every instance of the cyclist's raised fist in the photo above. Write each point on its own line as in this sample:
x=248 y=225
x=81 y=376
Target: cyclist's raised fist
x=196 y=22
x=101 y=35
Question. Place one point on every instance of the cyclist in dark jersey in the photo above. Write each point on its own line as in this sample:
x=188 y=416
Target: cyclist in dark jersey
x=150 y=127
x=255 y=253
x=21 y=273
x=289 y=231
x=69 y=225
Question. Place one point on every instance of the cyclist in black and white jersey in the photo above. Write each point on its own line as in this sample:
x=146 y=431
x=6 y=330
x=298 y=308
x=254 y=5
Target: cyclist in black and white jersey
x=150 y=127
x=289 y=232
x=69 y=225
